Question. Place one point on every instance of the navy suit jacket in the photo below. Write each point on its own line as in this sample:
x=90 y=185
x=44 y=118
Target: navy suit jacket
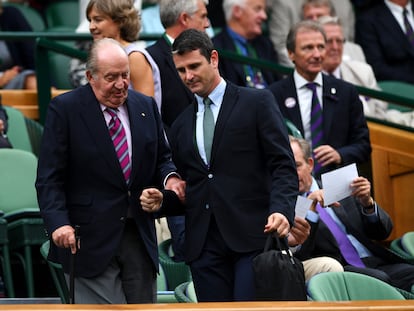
x=385 y=45
x=175 y=95
x=323 y=243
x=233 y=71
x=251 y=175
x=344 y=124
x=21 y=51
x=80 y=181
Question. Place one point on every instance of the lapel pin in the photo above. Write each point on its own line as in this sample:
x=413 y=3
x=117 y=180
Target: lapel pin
x=290 y=102
x=143 y=114
x=333 y=90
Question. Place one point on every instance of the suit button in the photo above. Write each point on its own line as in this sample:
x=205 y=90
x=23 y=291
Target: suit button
x=122 y=219
x=210 y=176
x=207 y=206
x=129 y=193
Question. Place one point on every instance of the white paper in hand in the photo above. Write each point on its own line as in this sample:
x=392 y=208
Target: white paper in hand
x=336 y=184
x=302 y=206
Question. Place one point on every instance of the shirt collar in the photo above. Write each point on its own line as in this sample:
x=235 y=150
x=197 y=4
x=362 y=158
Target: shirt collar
x=235 y=36
x=216 y=96
x=397 y=9
x=300 y=81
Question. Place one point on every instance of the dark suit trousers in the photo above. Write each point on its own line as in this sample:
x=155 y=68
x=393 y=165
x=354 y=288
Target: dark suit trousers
x=129 y=278
x=400 y=275
x=220 y=274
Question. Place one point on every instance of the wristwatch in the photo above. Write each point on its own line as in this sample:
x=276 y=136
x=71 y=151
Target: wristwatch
x=370 y=206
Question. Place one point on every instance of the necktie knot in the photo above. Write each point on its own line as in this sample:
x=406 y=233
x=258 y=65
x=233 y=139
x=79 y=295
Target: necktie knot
x=207 y=102
x=311 y=86
x=112 y=112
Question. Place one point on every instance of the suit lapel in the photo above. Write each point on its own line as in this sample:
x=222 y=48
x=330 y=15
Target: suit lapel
x=393 y=28
x=92 y=117
x=136 y=116
x=292 y=111
x=330 y=101
x=229 y=100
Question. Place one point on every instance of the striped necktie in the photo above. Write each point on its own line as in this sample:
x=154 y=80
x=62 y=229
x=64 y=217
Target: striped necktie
x=316 y=122
x=117 y=132
x=408 y=29
x=208 y=127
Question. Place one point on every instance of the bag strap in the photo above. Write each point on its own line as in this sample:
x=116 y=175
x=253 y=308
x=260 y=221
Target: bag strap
x=274 y=241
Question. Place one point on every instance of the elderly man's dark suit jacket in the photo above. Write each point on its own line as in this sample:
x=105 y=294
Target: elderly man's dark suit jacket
x=344 y=124
x=234 y=71
x=80 y=181
x=175 y=95
x=385 y=45
x=251 y=175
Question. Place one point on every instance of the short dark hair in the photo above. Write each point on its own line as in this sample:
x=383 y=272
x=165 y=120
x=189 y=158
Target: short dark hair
x=192 y=40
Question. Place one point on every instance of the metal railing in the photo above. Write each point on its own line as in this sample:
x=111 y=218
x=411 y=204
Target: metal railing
x=51 y=41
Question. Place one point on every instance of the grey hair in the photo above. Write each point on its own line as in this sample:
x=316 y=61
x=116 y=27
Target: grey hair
x=228 y=6
x=97 y=45
x=329 y=20
x=303 y=144
x=170 y=10
x=319 y=3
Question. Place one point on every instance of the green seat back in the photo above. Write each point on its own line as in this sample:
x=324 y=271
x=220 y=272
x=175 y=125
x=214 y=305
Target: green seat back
x=185 y=292
x=17 y=132
x=292 y=129
x=163 y=294
x=17 y=185
x=398 y=88
x=62 y=15
x=35 y=130
x=59 y=70
x=32 y=16
x=176 y=272
x=407 y=242
x=348 y=286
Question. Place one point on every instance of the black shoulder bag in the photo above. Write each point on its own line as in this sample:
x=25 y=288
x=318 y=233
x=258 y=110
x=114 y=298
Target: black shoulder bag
x=278 y=275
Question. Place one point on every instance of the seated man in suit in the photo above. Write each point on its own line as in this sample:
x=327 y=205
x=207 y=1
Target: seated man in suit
x=384 y=35
x=336 y=128
x=359 y=217
x=243 y=35
x=299 y=233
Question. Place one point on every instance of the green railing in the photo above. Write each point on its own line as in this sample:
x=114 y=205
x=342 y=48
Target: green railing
x=51 y=41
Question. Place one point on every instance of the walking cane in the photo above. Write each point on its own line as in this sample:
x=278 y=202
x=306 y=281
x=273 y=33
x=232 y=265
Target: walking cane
x=72 y=268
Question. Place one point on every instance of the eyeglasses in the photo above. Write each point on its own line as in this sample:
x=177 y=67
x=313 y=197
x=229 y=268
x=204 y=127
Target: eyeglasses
x=337 y=41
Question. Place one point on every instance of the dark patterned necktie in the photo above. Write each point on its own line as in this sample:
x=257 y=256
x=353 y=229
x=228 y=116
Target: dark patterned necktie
x=408 y=29
x=117 y=132
x=316 y=122
x=208 y=127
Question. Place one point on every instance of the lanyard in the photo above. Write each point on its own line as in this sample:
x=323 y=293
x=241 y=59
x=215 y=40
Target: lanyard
x=254 y=77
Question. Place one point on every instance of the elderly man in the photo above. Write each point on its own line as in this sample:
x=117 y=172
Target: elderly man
x=102 y=145
x=243 y=35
